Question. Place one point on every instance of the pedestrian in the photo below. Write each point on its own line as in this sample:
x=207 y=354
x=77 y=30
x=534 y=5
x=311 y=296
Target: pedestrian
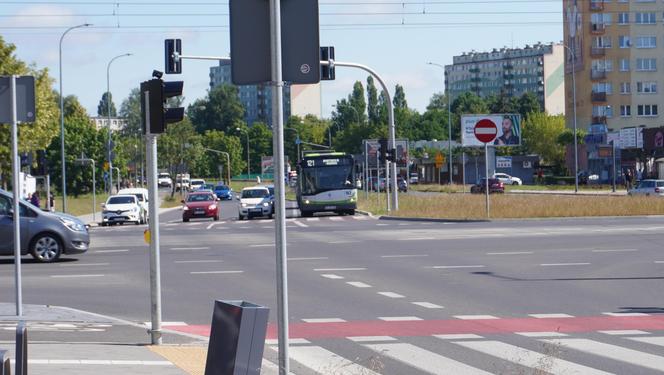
x=34 y=199
x=52 y=202
x=628 y=179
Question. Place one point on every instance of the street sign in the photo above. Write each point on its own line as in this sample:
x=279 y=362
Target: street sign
x=503 y=162
x=485 y=131
x=440 y=159
x=25 y=99
x=105 y=166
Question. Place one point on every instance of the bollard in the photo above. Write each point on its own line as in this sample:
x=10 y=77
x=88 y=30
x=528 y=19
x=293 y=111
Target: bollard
x=237 y=338
x=21 y=367
x=5 y=364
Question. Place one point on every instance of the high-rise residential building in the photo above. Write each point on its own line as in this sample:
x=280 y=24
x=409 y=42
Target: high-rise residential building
x=511 y=72
x=611 y=47
x=299 y=100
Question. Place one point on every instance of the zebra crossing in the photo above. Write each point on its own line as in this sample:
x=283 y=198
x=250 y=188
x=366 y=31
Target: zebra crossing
x=592 y=353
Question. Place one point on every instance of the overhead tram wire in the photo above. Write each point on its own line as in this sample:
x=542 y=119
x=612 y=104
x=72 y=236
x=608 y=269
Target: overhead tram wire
x=214 y=3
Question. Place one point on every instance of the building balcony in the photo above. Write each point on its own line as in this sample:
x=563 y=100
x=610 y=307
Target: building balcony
x=475 y=79
x=596 y=5
x=597 y=28
x=508 y=76
x=475 y=88
x=599 y=120
x=597 y=52
x=474 y=70
x=508 y=66
x=598 y=97
x=597 y=74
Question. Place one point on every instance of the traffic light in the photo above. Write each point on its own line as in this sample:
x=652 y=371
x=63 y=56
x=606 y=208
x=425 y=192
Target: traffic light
x=42 y=164
x=383 y=149
x=391 y=154
x=327 y=71
x=173 y=47
x=155 y=115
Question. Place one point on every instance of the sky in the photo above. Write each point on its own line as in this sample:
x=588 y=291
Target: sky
x=395 y=38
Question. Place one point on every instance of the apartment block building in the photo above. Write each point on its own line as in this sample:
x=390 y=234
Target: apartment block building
x=537 y=69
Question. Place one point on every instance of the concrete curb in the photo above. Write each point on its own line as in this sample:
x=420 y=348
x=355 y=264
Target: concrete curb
x=559 y=218
x=432 y=220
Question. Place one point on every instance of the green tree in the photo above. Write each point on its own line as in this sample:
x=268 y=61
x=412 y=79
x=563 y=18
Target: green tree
x=528 y=103
x=372 y=102
x=310 y=129
x=466 y=103
x=219 y=110
x=179 y=149
x=567 y=137
x=102 y=107
x=357 y=101
x=399 y=100
x=130 y=109
x=540 y=136
x=212 y=161
x=502 y=104
x=260 y=142
x=438 y=101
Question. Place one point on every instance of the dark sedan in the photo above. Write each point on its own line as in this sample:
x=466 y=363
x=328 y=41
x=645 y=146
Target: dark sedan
x=495 y=186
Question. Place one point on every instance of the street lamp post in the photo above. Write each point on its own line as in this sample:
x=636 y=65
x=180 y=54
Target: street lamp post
x=248 y=161
x=576 y=147
x=449 y=123
x=108 y=111
x=62 y=120
x=228 y=165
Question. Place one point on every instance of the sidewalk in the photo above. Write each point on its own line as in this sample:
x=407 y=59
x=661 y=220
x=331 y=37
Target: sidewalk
x=62 y=340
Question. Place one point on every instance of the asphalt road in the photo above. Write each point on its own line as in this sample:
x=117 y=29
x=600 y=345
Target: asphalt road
x=395 y=284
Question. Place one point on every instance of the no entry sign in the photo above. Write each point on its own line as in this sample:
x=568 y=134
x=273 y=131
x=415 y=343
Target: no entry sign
x=485 y=131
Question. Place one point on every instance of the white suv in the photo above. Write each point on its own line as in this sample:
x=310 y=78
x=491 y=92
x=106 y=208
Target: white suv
x=121 y=209
x=649 y=187
x=507 y=179
x=142 y=196
x=164 y=180
x=255 y=201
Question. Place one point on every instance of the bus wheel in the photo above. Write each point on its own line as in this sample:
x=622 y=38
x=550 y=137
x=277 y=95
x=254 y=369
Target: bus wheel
x=351 y=212
x=307 y=214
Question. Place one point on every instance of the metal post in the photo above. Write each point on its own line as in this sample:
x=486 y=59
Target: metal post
x=449 y=133
x=48 y=192
x=280 y=222
x=463 y=171
x=155 y=276
x=576 y=141
x=613 y=144
x=94 y=192
x=366 y=169
x=16 y=187
x=387 y=184
x=108 y=112
x=486 y=177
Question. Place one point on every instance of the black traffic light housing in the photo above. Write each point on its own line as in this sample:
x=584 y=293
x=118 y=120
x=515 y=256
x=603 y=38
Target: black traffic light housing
x=327 y=71
x=155 y=115
x=383 y=149
x=173 y=47
x=391 y=154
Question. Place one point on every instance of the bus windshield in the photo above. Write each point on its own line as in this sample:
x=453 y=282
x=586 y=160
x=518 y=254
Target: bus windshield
x=320 y=179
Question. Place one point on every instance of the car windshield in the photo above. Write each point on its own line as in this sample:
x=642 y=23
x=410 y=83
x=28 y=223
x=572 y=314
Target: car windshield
x=200 y=198
x=647 y=184
x=139 y=196
x=660 y=183
x=271 y=189
x=121 y=200
x=197 y=182
x=221 y=188
x=164 y=175
x=255 y=193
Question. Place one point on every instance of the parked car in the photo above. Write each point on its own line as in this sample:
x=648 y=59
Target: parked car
x=254 y=201
x=223 y=192
x=164 y=180
x=649 y=187
x=121 y=209
x=414 y=178
x=196 y=183
x=200 y=204
x=507 y=179
x=44 y=235
x=142 y=196
x=495 y=186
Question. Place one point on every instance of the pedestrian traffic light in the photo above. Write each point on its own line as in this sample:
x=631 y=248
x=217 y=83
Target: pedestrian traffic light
x=327 y=70
x=155 y=114
x=391 y=154
x=383 y=149
x=173 y=51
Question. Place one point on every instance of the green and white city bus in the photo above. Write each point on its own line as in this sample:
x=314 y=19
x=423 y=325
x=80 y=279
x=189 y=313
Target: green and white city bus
x=326 y=183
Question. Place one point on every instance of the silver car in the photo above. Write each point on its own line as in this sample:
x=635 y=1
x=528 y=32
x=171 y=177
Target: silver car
x=648 y=188
x=44 y=235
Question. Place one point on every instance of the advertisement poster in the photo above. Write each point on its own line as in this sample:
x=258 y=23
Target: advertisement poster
x=508 y=126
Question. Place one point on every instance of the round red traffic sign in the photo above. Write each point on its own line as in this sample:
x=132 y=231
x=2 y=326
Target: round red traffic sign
x=485 y=130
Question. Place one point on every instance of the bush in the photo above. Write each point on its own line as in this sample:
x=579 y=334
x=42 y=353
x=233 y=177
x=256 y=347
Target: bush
x=559 y=180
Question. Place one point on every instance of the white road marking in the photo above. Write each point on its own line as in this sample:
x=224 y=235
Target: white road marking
x=336 y=218
x=474 y=317
x=190 y=248
x=459 y=336
x=659 y=341
x=404 y=224
x=358 y=284
x=339 y=242
x=290 y=341
x=263 y=245
x=529 y=358
x=84 y=264
x=323 y=361
x=313 y=219
x=659 y=261
x=381 y=224
x=614 y=352
x=331 y=276
x=214 y=272
x=198 y=261
x=370 y=338
x=356 y=217
x=563 y=264
x=398 y=318
x=541 y=334
x=621 y=332
x=624 y=314
x=391 y=294
x=615 y=251
x=512 y=253
x=171 y=324
x=405 y=256
x=340 y=269
x=96 y=362
x=311 y=258
x=74 y=276
x=112 y=251
x=427 y=305
x=303 y=225
x=416 y=239
x=550 y=316
x=324 y=320
x=424 y=360
x=453 y=267
x=211 y=225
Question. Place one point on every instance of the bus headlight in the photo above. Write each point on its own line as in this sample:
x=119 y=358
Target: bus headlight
x=306 y=201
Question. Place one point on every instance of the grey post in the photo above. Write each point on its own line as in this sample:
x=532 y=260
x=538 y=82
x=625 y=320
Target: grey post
x=366 y=169
x=613 y=153
x=16 y=187
x=21 y=365
x=48 y=192
x=576 y=141
x=280 y=222
x=108 y=112
x=463 y=171
x=62 y=122
x=155 y=276
x=486 y=177
x=117 y=181
x=449 y=123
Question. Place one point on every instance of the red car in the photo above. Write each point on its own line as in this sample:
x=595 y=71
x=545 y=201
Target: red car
x=200 y=204
x=495 y=186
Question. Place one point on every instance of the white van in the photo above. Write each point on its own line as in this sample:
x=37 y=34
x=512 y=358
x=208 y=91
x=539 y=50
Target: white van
x=143 y=198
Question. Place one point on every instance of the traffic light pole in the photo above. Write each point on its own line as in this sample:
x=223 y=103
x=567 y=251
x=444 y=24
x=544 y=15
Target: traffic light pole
x=16 y=186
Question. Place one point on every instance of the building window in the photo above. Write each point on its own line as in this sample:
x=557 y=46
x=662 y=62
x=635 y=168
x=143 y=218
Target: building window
x=606 y=87
x=624 y=65
x=625 y=110
x=602 y=110
x=646 y=110
x=625 y=88
x=623 y=18
x=646 y=65
x=648 y=18
x=602 y=65
x=646 y=42
x=648 y=87
x=623 y=41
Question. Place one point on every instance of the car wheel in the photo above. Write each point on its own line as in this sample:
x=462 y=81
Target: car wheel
x=515 y=183
x=137 y=222
x=307 y=214
x=216 y=218
x=185 y=220
x=122 y=223
x=351 y=212
x=103 y=224
x=240 y=217
x=46 y=248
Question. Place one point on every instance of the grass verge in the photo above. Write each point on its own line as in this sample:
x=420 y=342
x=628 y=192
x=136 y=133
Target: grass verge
x=80 y=205
x=467 y=206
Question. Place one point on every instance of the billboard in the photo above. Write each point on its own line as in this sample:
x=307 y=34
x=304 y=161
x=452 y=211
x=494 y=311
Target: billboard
x=373 y=150
x=509 y=129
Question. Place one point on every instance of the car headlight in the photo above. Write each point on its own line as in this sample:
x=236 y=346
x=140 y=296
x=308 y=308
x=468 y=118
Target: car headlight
x=265 y=204
x=185 y=208
x=135 y=209
x=244 y=205
x=72 y=225
x=212 y=207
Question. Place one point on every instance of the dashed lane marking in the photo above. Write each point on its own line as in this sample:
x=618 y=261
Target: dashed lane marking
x=391 y=294
x=198 y=261
x=340 y=269
x=405 y=256
x=214 y=272
x=459 y=336
x=189 y=248
x=263 y=245
x=615 y=251
x=416 y=239
x=550 y=316
x=371 y=338
x=563 y=264
x=358 y=284
x=541 y=334
x=624 y=314
x=311 y=258
x=398 y=318
x=324 y=320
x=427 y=305
x=84 y=264
x=624 y=332
x=313 y=219
x=303 y=225
x=475 y=317
x=111 y=251
x=331 y=276
x=455 y=267
x=75 y=276
x=512 y=253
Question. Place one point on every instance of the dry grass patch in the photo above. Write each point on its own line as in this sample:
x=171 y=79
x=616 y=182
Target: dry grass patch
x=467 y=206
